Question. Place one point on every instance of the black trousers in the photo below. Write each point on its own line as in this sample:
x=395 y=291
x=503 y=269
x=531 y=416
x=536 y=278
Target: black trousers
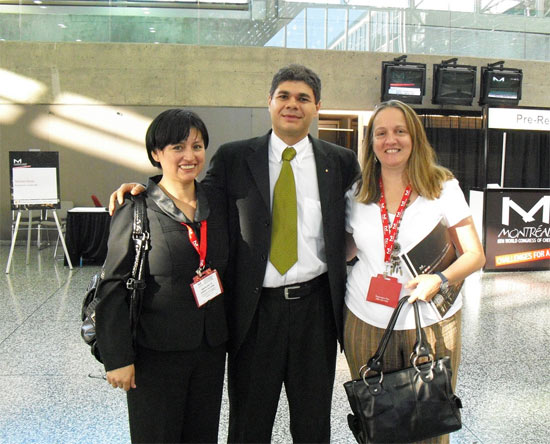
x=178 y=396
x=292 y=342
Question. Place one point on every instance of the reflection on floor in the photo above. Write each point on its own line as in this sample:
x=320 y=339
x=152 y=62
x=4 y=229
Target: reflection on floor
x=52 y=389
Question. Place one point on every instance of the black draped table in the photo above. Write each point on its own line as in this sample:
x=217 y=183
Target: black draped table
x=86 y=235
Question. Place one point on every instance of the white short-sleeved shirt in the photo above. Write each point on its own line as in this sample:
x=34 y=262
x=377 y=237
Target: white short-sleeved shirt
x=365 y=224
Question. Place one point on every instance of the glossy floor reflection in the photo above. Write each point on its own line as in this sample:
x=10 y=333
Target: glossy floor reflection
x=52 y=389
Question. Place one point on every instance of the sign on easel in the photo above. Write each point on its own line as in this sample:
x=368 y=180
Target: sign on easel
x=34 y=184
x=34 y=180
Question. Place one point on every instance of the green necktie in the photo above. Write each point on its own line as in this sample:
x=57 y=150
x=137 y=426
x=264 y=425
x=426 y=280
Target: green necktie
x=284 y=232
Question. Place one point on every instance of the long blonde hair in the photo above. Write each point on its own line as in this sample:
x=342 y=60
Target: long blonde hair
x=425 y=174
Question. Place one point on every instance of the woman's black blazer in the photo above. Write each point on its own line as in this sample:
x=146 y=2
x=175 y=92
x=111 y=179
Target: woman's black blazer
x=170 y=319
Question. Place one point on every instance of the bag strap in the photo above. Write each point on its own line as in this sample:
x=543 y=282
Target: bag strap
x=421 y=348
x=136 y=282
x=375 y=362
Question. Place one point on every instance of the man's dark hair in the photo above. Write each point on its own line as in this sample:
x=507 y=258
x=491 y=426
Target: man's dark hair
x=171 y=127
x=297 y=73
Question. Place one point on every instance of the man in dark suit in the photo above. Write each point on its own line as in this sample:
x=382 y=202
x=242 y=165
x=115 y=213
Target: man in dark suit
x=285 y=326
x=284 y=321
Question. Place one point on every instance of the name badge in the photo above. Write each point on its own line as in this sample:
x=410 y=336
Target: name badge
x=384 y=290
x=206 y=287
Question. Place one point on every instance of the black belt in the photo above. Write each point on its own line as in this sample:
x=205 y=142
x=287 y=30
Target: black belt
x=297 y=291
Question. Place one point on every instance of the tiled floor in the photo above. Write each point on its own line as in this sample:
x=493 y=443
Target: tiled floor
x=51 y=389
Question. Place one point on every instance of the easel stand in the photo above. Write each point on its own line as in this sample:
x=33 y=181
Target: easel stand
x=14 y=238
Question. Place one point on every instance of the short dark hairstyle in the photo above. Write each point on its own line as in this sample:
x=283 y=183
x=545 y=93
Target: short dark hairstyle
x=297 y=73
x=171 y=127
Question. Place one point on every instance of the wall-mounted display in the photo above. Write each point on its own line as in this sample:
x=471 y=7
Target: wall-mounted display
x=499 y=85
x=403 y=81
x=453 y=84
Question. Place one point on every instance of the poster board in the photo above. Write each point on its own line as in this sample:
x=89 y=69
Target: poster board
x=34 y=180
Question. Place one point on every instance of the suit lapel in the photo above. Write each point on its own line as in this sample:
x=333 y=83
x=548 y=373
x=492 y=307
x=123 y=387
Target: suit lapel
x=325 y=172
x=258 y=162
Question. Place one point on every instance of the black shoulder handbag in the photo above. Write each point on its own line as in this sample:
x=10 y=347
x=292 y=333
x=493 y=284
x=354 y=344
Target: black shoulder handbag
x=135 y=283
x=406 y=405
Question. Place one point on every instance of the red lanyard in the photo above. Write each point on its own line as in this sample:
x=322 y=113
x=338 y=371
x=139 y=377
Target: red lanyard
x=390 y=233
x=199 y=246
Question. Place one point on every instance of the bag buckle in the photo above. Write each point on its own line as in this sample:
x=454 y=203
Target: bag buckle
x=135 y=284
x=363 y=372
x=290 y=298
x=430 y=374
x=141 y=240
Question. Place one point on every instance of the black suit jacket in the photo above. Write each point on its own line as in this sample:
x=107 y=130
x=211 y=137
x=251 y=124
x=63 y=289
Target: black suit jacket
x=170 y=319
x=241 y=170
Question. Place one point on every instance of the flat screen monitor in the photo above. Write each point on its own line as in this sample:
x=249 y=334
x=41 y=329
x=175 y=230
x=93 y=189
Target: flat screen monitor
x=403 y=81
x=500 y=86
x=454 y=85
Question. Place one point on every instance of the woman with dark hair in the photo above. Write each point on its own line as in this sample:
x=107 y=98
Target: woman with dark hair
x=173 y=372
x=402 y=195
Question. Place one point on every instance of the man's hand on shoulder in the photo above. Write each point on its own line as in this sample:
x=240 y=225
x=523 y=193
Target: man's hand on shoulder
x=118 y=195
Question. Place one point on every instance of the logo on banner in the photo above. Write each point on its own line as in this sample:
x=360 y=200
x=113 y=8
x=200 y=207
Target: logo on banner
x=535 y=231
x=527 y=216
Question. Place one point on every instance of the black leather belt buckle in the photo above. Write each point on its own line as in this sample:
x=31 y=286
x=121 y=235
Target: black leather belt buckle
x=287 y=291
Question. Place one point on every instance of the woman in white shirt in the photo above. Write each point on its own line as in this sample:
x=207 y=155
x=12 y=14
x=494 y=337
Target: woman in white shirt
x=402 y=195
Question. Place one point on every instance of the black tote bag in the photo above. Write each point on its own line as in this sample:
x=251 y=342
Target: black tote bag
x=405 y=405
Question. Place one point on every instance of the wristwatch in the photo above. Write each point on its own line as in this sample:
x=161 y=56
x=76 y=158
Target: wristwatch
x=444 y=281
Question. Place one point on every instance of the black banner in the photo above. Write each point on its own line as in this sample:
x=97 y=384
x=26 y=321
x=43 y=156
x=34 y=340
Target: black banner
x=517 y=229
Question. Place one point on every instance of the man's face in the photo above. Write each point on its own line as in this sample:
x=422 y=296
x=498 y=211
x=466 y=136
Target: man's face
x=292 y=108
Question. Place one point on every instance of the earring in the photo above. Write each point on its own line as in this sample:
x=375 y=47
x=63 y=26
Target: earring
x=375 y=159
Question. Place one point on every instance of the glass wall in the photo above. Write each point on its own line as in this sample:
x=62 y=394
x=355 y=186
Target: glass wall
x=475 y=28
x=479 y=28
